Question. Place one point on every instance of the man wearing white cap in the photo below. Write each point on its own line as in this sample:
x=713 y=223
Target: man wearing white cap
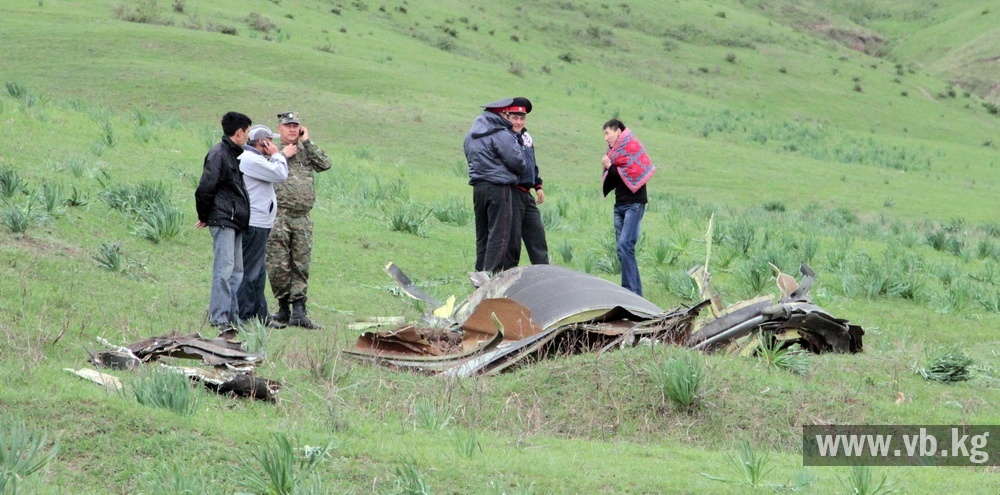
x=263 y=166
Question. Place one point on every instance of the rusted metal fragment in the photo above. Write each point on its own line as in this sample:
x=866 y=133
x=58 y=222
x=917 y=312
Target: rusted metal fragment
x=486 y=327
x=482 y=330
x=516 y=320
x=410 y=341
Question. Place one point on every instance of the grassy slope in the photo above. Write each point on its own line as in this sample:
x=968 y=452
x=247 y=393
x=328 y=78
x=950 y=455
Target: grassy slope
x=388 y=103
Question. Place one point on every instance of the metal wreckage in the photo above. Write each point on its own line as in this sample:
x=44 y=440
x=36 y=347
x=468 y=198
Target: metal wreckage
x=529 y=312
x=521 y=315
x=233 y=374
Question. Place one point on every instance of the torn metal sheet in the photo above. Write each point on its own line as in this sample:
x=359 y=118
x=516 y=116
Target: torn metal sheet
x=557 y=295
x=583 y=336
x=411 y=289
x=219 y=351
x=484 y=329
x=726 y=321
x=410 y=342
x=110 y=382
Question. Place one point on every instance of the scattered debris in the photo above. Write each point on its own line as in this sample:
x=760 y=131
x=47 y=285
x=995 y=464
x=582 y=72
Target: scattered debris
x=234 y=373
x=238 y=383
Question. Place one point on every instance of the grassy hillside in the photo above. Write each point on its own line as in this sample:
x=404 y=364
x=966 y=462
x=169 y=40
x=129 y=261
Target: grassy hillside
x=855 y=136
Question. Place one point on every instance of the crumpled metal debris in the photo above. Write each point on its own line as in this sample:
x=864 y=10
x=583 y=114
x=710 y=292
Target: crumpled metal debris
x=219 y=351
x=792 y=319
x=539 y=309
x=238 y=383
x=523 y=312
x=234 y=373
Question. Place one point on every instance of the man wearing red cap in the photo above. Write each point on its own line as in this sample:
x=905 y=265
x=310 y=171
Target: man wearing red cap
x=496 y=160
x=527 y=220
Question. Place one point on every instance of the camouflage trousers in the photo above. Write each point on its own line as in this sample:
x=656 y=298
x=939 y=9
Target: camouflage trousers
x=289 y=251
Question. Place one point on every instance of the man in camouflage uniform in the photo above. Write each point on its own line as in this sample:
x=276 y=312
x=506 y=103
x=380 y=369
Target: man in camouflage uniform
x=289 y=247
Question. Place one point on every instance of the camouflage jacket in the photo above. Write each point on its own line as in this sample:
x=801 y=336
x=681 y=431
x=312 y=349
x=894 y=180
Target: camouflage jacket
x=297 y=194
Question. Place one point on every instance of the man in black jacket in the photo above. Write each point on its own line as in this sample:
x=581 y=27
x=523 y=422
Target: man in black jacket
x=224 y=207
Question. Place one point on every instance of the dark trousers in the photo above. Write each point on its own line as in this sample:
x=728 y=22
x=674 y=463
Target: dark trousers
x=492 y=204
x=253 y=303
x=528 y=226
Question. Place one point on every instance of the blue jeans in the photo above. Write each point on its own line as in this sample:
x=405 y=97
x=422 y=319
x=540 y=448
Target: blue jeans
x=227 y=273
x=253 y=303
x=627 y=220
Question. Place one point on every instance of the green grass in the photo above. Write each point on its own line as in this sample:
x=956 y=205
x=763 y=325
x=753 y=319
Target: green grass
x=165 y=389
x=889 y=198
x=23 y=452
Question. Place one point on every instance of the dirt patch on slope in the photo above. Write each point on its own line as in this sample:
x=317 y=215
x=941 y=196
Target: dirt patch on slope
x=34 y=246
x=867 y=43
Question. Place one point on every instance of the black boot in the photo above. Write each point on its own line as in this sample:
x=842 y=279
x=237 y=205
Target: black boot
x=299 y=318
x=270 y=322
x=282 y=315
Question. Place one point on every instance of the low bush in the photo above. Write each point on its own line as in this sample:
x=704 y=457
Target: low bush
x=167 y=390
x=453 y=211
x=276 y=468
x=23 y=452
x=949 y=364
x=680 y=378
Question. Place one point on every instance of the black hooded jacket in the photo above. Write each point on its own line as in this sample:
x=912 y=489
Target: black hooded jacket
x=221 y=197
